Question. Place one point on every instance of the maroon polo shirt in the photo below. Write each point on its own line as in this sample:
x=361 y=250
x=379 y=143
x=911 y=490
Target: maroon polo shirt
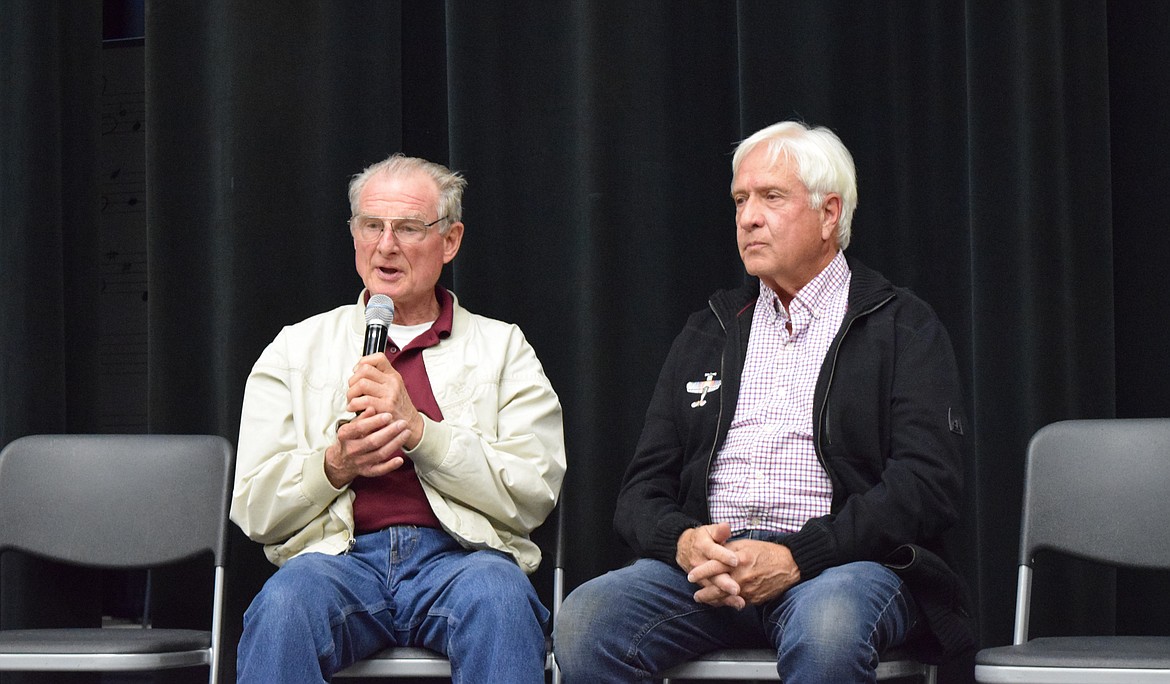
x=397 y=498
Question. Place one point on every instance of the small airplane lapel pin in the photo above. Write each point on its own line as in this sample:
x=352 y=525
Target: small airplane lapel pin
x=702 y=387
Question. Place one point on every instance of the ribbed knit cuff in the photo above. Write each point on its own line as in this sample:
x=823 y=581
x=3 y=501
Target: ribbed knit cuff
x=812 y=550
x=664 y=544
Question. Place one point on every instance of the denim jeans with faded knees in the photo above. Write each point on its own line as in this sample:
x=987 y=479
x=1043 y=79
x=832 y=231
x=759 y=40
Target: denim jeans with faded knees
x=633 y=623
x=403 y=586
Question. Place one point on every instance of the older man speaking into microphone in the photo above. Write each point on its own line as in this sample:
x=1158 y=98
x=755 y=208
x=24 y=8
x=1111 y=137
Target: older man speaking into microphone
x=396 y=489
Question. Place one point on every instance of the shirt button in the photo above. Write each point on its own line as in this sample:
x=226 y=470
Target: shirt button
x=393 y=350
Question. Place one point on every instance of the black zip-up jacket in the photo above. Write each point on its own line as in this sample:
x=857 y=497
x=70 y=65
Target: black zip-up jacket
x=888 y=429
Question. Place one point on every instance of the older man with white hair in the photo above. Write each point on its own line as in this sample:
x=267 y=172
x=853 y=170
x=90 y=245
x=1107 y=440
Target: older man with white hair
x=801 y=459
x=396 y=490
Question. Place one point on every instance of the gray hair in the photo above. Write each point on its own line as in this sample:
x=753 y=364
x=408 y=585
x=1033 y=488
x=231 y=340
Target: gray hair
x=823 y=164
x=450 y=184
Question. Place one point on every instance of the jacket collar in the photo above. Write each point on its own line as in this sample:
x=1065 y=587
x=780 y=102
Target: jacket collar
x=866 y=288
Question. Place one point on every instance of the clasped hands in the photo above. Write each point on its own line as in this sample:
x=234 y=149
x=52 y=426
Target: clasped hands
x=734 y=573
x=386 y=422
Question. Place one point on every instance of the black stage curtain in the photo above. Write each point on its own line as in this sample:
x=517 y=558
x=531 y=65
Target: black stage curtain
x=49 y=205
x=1005 y=151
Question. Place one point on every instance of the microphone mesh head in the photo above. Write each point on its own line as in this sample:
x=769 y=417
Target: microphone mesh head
x=380 y=309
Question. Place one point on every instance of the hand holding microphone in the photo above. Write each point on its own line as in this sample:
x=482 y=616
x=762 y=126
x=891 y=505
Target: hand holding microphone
x=366 y=446
x=375 y=385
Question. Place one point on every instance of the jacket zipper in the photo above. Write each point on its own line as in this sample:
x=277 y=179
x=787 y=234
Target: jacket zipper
x=719 y=417
x=822 y=415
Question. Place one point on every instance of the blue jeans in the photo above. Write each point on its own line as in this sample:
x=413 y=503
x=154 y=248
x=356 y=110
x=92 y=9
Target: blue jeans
x=403 y=586
x=633 y=623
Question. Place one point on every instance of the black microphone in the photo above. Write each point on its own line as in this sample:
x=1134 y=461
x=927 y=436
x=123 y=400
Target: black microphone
x=379 y=316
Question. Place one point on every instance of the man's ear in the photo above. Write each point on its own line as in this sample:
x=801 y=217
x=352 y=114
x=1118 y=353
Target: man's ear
x=451 y=241
x=830 y=215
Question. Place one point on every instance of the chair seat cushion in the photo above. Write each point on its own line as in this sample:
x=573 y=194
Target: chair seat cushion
x=407 y=652
x=1135 y=652
x=768 y=655
x=94 y=640
x=740 y=655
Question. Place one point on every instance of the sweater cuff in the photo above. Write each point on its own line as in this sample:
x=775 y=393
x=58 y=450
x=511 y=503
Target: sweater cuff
x=812 y=550
x=664 y=544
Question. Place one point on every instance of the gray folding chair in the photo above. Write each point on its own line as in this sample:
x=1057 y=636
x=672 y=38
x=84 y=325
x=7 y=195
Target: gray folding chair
x=403 y=661
x=760 y=664
x=1097 y=490
x=116 y=501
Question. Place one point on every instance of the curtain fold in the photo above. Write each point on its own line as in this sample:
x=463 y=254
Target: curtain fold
x=605 y=163
x=49 y=268
x=1001 y=150
x=1041 y=245
x=257 y=117
x=1138 y=101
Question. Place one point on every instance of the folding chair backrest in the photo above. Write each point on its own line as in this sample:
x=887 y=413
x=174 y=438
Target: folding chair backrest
x=1097 y=489
x=116 y=501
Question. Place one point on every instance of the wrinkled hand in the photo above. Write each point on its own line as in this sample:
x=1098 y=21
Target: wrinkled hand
x=386 y=422
x=702 y=555
x=737 y=573
x=764 y=572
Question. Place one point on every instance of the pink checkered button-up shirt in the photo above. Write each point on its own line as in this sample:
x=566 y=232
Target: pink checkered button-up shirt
x=767 y=476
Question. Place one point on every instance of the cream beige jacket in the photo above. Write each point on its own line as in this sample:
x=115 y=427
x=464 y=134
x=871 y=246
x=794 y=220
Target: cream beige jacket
x=491 y=470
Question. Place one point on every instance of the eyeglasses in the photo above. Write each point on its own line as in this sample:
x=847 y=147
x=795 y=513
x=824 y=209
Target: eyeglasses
x=370 y=228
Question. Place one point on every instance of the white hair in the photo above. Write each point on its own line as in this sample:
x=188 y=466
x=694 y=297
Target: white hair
x=823 y=164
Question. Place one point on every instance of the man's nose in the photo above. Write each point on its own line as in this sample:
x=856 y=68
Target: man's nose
x=748 y=216
x=388 y=241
